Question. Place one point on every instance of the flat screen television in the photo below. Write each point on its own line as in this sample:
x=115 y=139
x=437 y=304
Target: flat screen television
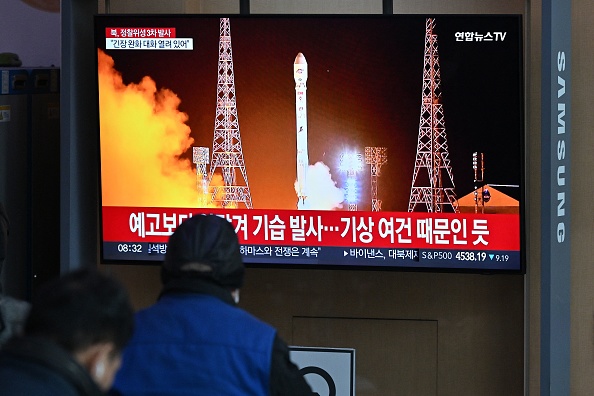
x=329 y=141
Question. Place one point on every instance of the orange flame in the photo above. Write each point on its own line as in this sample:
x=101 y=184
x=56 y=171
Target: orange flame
x=143 y=135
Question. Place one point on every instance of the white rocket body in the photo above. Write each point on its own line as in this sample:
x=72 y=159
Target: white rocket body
x=300 y=76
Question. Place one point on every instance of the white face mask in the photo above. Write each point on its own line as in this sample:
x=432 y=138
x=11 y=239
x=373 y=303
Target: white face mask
x=235 y=294
x=100 y=369
x=105 y=367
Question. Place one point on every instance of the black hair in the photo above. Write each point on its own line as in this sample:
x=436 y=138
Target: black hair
x=82 y=308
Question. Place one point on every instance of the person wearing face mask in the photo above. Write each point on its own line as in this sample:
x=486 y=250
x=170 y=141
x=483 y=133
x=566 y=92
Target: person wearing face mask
x=13 y=311
x=195 y=340
x=72 y=339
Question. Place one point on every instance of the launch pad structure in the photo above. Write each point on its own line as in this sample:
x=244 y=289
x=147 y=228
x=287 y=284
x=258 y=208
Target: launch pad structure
x=351 y=163
x=435 y=191
x=227 y=152
x=432 y=148
x=200 y=158
x=376 y=157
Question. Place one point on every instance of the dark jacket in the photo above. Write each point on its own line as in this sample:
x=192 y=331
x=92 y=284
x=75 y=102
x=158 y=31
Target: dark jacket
x=30 y=366
x=194 y=340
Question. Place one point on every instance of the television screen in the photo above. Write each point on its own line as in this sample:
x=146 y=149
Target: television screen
x=351 y=141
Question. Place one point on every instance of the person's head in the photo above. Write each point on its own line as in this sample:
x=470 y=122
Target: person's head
x=88 y=314
x=205 y=247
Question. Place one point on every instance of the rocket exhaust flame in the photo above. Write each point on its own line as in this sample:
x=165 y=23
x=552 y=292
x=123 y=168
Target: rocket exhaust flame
x=323 y=193
x=142 y=122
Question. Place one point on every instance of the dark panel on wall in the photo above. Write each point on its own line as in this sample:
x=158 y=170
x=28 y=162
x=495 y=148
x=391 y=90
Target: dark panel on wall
x=392 y=357
x=78 y=142
x=45 y=179
x=14 y=123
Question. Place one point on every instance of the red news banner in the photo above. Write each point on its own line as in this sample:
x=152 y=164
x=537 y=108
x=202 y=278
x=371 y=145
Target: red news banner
x=326 y=228
x=140 y=32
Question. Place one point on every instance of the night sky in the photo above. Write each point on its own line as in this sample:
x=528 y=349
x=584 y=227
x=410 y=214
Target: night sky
x=364 y=89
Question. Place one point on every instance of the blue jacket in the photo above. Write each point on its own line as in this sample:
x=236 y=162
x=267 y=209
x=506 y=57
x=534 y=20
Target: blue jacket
x=196 y=344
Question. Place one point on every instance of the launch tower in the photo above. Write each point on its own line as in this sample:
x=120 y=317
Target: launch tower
x=227 y=154
x=481 y=190
x=376 y=157
x=351 y=163
x=435 y=191
x=200 y=158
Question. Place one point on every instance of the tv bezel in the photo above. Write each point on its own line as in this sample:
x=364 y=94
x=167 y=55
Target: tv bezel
x=522 y=141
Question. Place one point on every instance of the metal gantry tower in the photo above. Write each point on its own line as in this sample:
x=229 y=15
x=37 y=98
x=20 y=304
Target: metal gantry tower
x=481 y=190
x=200 y=158
x=351 y=163
x=376 y=157
x=227 y=154
x=437 y=190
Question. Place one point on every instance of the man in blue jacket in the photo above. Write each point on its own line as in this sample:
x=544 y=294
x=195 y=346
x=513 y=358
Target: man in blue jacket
x=195 y=340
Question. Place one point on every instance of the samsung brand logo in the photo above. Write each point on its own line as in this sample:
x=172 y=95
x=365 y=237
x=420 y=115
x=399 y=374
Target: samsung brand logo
x=561 y=149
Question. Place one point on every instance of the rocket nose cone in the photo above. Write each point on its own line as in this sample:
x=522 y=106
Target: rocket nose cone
x=300 y=59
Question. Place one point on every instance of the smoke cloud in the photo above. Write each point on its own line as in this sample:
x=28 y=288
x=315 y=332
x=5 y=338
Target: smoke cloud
x=322 y=193
x=143 y=135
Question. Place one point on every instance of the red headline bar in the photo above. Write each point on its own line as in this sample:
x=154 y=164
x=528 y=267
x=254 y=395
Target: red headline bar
x=140 y=32
x=326 y=228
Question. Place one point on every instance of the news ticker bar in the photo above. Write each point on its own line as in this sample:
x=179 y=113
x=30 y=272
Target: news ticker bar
x=336 y=256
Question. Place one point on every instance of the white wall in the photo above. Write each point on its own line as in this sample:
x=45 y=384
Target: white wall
x=32 y=33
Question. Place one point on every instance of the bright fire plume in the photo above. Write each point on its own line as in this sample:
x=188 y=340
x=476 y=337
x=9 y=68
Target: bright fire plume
x=143 y=135
x=322 y=193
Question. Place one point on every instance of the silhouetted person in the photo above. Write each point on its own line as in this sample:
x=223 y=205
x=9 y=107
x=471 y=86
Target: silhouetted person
x=72 y=340
x=195 y=340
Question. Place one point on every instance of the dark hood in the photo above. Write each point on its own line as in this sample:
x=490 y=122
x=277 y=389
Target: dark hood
x=205 y=246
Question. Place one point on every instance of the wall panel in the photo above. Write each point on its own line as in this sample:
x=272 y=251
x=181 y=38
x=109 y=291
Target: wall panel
x=316 y=7
x=406 y=365
x=582 y=215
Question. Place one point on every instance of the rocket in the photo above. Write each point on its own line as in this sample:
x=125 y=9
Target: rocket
x=300 y=76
